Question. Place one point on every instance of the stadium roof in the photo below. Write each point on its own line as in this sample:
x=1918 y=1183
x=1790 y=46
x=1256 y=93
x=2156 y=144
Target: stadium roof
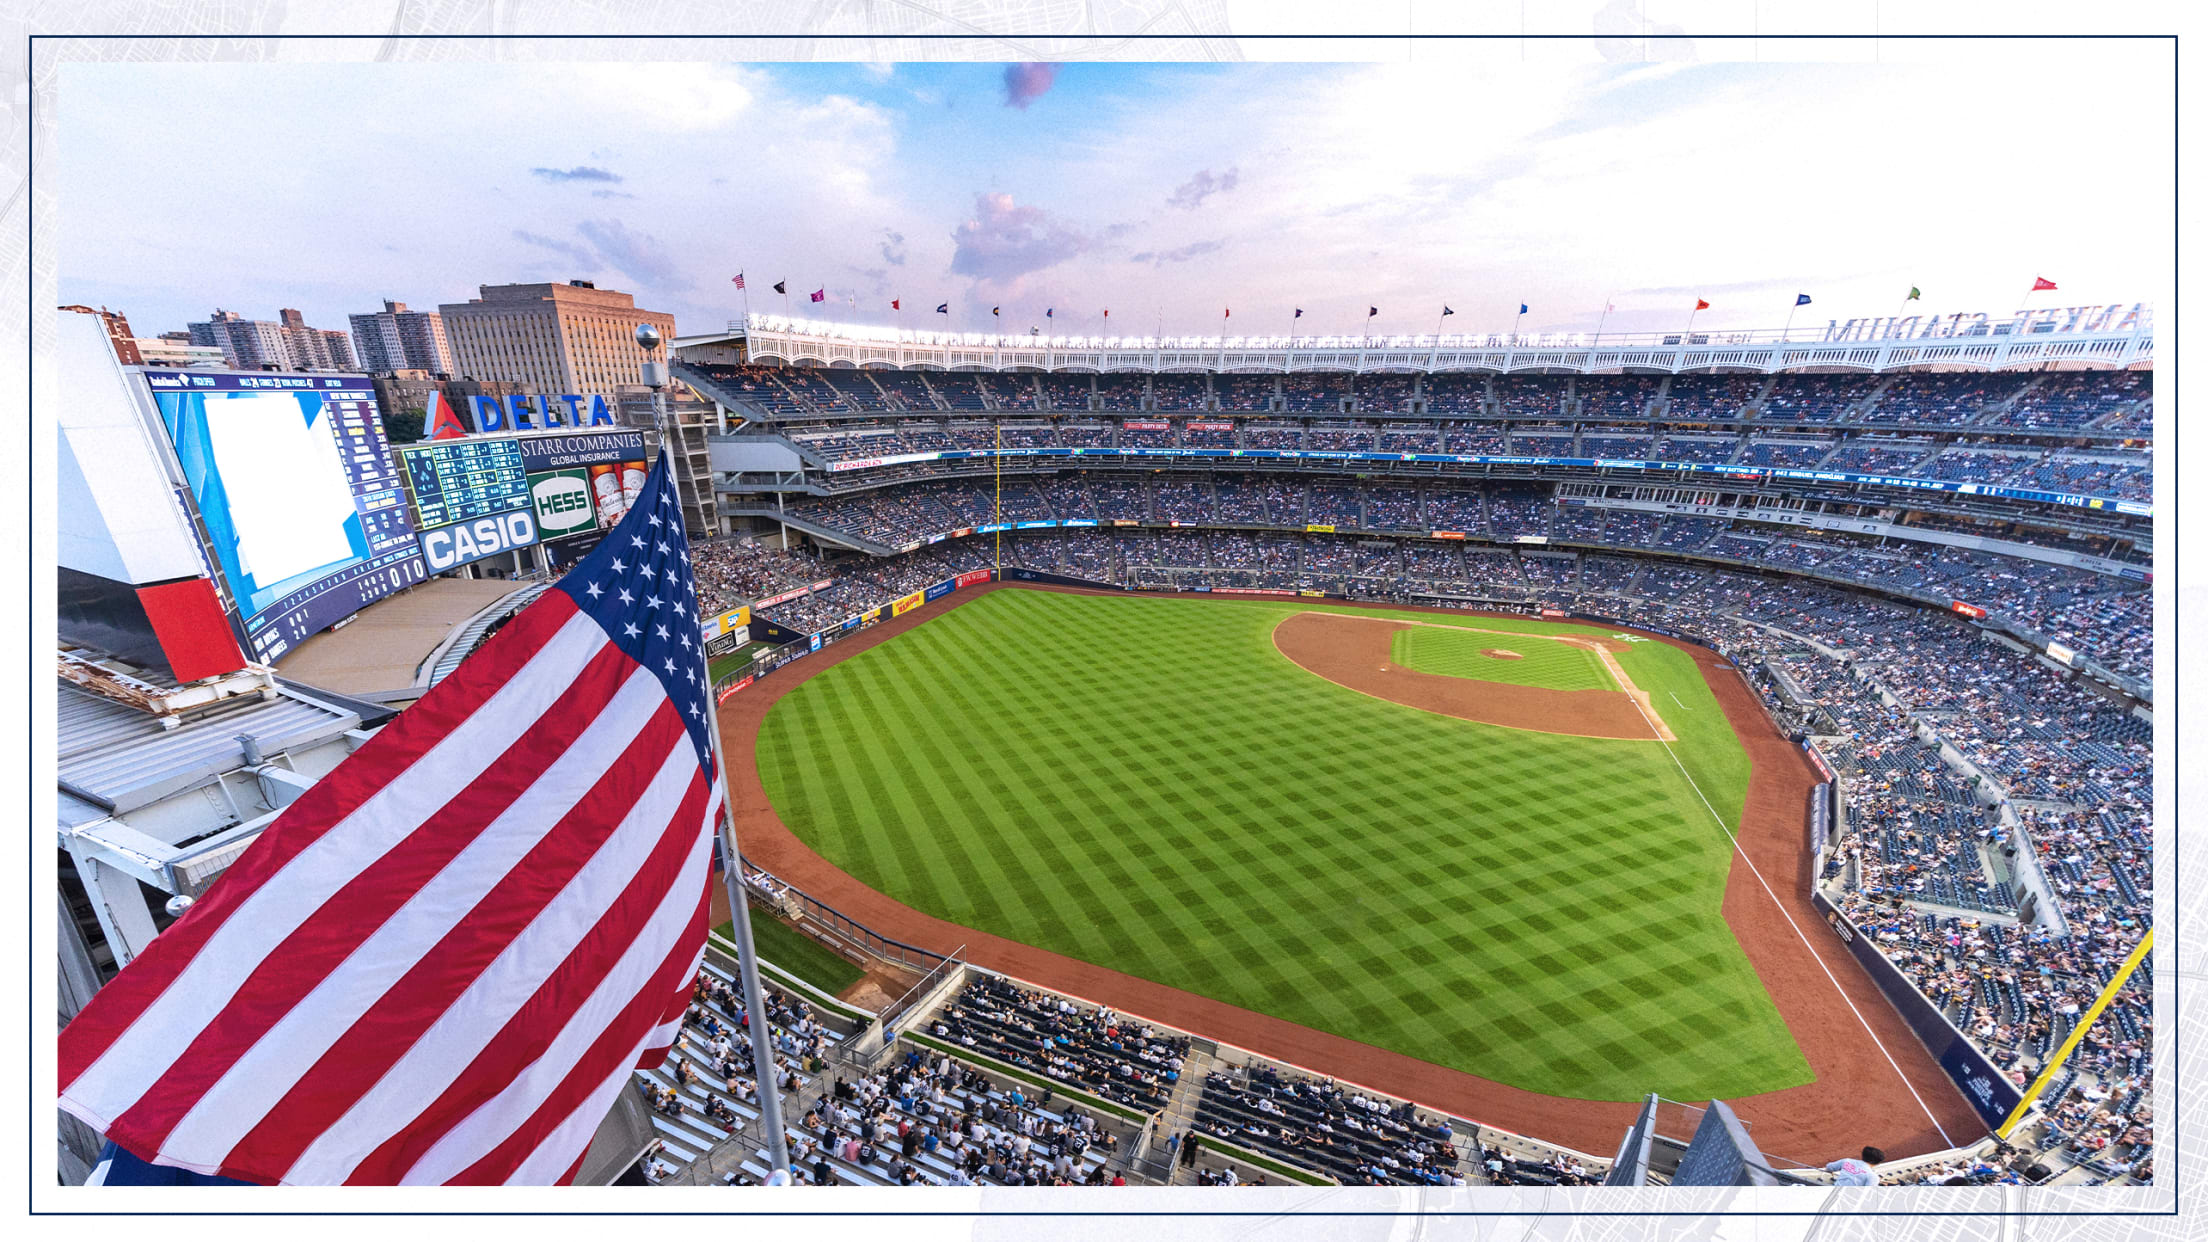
x=2086 y=336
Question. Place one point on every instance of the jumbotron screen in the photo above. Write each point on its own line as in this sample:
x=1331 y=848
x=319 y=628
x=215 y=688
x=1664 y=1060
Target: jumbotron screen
x=295 y=485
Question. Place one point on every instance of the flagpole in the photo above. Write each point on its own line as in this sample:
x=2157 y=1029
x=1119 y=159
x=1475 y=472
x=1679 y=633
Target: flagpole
x=1605 y=317
x=732 y=876
x=1790 y=316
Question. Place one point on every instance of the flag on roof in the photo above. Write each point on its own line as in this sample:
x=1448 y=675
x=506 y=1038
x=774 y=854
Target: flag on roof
x=1299 y=312
x=1914 y=294
x=1445 y=311
x=782 y=287
x=2041 y=282
x=1801 y=299
x=1107 y=312
x=1699 y=304
x=739 y=279
x=820 y=294
x=1521 y=308
x=1229 y=313
x=896 y=304
x=1048 y=311
x=1370 y=311
x=443 y=962
x=996 y=310
x=943 y=308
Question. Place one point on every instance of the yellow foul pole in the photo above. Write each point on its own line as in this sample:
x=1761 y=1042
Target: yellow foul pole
x=2077 y=1033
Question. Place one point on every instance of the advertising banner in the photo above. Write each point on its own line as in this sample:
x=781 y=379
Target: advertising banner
x=1318 y=528
x=1208 y=426
x=580 y=450
x=563 y=503
x=813 y=643
x=1969 y=610
x=941 y=589
x=1448 y=534
x=1989 y=1091
x=1554 y=612
x=450 y=547
x=973 y=577
x=907 y=604
x=2062 y=654
x=732 y=688
x=1146 y=425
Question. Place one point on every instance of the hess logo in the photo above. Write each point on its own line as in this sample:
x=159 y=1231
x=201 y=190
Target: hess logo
x=563 y=503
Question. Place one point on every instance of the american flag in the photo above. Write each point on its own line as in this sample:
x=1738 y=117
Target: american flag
x=442 y=963
x=739 y=279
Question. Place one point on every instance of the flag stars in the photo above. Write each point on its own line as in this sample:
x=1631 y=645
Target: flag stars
x=596 y=590
x=631 y=630
x=653 y=601
x=627 y=598
x=670 y=668
x=662 y=631
x=618 y=567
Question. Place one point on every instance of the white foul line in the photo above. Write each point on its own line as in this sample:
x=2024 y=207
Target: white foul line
x=1783 y=913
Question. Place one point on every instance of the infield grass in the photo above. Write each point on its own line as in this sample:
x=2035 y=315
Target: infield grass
x=1148 y=784
x=1542 y=662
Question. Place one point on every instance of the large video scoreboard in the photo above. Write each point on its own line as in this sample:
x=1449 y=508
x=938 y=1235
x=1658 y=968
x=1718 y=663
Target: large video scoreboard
x=301 y=506
x=462 y=480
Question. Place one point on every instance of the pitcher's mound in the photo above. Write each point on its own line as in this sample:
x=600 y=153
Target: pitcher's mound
x=1497 y=653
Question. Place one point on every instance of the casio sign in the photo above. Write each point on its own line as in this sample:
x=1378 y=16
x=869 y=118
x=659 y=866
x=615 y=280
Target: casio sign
x=453 y=546
x=563 y=503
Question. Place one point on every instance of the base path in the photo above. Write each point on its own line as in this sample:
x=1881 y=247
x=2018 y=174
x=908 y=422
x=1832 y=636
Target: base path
x=1356 y=654
x=1857 y=1098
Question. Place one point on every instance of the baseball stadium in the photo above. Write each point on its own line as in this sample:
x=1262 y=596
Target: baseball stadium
x=865 y=755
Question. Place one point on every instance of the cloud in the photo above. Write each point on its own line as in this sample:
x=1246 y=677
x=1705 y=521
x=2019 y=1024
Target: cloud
x=879 y=70
x=611 y=194
x=638 y=256
x=1027 y=81
x=567 y=250
x=1003 y=241
x=1203 y=185
x=893 y=247
x=581 y=172
x=1180 y=254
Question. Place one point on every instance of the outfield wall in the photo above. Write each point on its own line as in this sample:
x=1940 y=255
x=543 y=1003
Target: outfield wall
x=1989 y=1090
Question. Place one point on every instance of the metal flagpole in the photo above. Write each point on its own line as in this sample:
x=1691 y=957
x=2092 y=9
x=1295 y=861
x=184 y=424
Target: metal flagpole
x=1606 y=305
x=996 y=512
x=739 y=911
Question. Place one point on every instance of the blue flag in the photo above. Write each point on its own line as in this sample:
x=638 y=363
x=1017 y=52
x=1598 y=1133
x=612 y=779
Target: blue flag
x=1521 y=308
x=1446 y=311
x=1048 y=311
x=1801 y=299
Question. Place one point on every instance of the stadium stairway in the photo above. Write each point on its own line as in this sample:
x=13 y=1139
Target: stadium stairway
x=462 y=642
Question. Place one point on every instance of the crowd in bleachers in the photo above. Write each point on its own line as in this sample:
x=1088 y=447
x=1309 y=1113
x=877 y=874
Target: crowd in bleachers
x=1319 y=1125
x=1094 y=1050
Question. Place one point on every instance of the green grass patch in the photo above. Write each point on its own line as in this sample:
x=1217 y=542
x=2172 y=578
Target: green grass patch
x=1543 y=662
x=797 y=953
x=1148 y=784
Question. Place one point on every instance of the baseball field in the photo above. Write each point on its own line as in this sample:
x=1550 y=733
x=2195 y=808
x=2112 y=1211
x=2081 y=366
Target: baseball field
x=1460 y=841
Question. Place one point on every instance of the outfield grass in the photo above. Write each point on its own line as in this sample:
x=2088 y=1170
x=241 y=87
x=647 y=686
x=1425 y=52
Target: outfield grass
x=1457 y=653
x=1148 y=784
x=797 y=953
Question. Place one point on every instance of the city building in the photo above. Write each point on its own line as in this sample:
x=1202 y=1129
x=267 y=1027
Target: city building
x=285 y=344
x=550 y=338
x=161 y=351
x=397 y=339
x=118 y=332
x=403 y=396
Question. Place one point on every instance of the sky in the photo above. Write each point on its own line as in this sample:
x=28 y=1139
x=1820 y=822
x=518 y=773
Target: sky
x=1169 y=194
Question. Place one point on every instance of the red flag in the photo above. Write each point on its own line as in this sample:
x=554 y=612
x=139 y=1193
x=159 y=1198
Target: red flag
x=444 y=962
x=1107 y=312
x=1229 y=314
x=2041 y=282
x=820 y=295
x=895 y=304
x=739 y=279
x=1699 y=304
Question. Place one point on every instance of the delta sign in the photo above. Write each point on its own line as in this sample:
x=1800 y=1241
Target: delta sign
x=517 y=413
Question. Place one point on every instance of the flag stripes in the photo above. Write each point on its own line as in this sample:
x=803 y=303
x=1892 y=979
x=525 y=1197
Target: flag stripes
x=442 y=961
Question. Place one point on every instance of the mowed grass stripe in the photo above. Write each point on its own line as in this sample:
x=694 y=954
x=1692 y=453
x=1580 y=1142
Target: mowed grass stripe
x=1147 y=784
